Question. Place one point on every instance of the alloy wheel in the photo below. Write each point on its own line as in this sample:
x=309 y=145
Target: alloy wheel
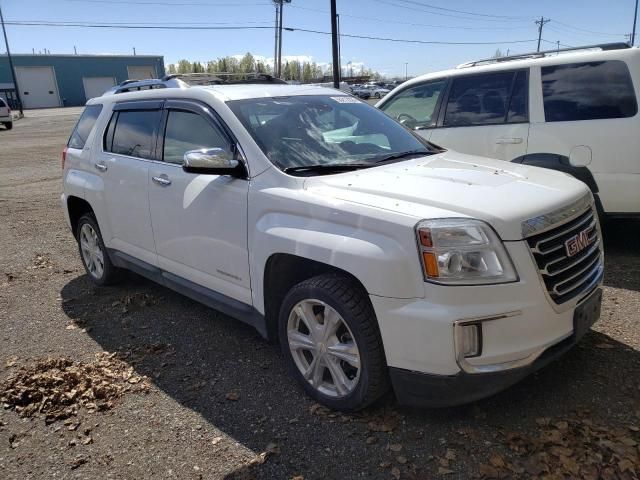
x=323 y=348
x=92 y=253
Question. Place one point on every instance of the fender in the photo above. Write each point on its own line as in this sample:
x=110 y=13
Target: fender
x=92 y=188
x=381 y=263
x=561 y=163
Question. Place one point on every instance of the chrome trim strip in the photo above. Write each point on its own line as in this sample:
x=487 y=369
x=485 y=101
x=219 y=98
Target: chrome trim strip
x=545 y=270
x=553 y=219
x=563 y=233
x=563 y=291
x=462 y=362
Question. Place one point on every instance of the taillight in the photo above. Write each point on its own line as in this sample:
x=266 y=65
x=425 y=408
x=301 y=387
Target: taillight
x=64 y=156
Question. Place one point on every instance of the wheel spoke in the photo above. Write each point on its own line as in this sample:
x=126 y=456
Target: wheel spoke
x=305 y=313
x=300 y=341
x=314 y=373
x=347 y=352
x=331 y=322
x=340 y=380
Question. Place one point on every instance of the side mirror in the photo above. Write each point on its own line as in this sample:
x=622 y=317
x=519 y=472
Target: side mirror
x=212 y=161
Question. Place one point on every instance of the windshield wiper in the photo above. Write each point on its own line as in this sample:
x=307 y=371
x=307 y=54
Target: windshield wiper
x=409 y=153
x=328 y=167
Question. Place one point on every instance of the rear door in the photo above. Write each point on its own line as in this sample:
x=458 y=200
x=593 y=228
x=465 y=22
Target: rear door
x=4 y=110
x=128 y=150
x=199 y=221
x=486 y=114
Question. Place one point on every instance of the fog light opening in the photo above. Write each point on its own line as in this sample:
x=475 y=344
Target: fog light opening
x=471 y=340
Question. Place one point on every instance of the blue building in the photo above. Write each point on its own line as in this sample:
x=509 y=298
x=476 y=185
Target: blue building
x=70 y=80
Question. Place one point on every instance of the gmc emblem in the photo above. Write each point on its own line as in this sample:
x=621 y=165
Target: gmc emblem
x=577 y=243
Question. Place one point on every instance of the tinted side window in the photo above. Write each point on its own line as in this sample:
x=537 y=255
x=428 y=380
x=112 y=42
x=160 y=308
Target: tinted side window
x=518 y=108
x=2 y=102
x=588 y=91
x=84 y=126
x=478 y=99
x=189 y=131
x=415 y=106
x=134 y=133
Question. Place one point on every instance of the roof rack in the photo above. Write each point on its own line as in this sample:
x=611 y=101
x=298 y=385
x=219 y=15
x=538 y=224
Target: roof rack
x=186 y=80
x=226 y=78
x=132 y=85
x=522 y=56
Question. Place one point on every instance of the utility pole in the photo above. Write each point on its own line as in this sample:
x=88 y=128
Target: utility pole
x=277 y=59
x=13 y=70
x=558 y=42
x=635 y=17
x=275 y=48
x=339 y=45
x=334 y=45
x=541 y=23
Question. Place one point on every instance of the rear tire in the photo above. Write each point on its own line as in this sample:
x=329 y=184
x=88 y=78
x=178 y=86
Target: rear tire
x=330 y=339
x=93 y=253
x=8 y=125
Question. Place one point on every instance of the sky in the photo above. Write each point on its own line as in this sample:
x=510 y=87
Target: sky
x=480 y=28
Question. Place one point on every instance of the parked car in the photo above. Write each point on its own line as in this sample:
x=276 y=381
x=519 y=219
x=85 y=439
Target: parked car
x=361 y=92
x=377 y=91
x=5 y=115
x=570 y=111
x=374 y=257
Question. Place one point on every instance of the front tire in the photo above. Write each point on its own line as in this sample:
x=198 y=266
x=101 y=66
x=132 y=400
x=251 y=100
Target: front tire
x=330 y=338
x=93 y=253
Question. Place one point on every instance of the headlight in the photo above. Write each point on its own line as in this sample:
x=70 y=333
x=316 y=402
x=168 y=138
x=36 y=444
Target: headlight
x=460 y=251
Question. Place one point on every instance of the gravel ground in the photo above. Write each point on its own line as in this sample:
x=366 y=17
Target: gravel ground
x=218 y=403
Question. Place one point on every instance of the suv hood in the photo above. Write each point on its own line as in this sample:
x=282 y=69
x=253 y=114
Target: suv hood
x=453 y=184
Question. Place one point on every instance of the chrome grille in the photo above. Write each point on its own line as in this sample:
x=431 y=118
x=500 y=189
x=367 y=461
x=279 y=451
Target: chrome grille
x=565 y=277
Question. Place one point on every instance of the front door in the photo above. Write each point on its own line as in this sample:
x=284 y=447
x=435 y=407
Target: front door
x=199 y=221
x=486 y=115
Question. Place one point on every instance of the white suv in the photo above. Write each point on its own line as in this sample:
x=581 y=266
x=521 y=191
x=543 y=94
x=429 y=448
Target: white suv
x=5 y=115
x=374 y=257
x=574 y=110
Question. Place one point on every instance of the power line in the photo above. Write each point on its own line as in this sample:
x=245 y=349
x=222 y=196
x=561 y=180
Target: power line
x=566 y=25
x=427 y=5
x=399 y=5
x=164 y=3
x=398 y=22
x=579 y=34
x=248 y=27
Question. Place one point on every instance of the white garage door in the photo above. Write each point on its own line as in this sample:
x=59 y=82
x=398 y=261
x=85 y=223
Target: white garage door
x=38 y=87
x=141 y=73
x=96 y=86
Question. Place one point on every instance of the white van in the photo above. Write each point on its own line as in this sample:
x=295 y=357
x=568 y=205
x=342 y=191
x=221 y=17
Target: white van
x=573 y=110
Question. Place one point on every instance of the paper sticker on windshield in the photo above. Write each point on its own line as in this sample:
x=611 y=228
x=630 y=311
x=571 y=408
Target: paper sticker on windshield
x=345 y=99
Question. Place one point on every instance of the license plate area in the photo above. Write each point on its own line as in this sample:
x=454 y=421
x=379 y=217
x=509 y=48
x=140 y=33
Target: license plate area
x=587 y=313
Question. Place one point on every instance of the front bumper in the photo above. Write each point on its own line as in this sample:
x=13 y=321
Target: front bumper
x=426 y=390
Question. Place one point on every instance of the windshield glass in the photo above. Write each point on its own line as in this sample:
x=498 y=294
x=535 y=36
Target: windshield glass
x=302 y=131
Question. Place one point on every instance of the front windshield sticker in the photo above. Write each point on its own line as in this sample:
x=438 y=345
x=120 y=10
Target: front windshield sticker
x=345 y=99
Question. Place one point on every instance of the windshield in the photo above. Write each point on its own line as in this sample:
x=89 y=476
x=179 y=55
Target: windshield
x=302 y=131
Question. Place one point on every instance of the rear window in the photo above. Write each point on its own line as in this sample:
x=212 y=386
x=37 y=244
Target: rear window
x=133 y=133
x=588 y=91
x=487 y=99
x=84 y=126
x=2 y=103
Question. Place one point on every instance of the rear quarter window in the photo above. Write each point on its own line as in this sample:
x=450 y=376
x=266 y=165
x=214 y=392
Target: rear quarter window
x=83 y=128
x=588 y=91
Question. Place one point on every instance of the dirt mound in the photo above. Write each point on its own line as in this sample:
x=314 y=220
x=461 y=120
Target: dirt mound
x=57 y=387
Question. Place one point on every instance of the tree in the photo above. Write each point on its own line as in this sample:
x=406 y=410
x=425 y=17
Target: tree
x=184 y=66
x=171 y=69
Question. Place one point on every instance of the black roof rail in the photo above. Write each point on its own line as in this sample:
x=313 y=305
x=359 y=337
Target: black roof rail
x=522 y=56
x=224 y=78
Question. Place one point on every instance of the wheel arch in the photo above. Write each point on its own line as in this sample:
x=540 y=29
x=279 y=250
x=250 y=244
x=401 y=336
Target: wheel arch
x=77 y=207
x=283 y=271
